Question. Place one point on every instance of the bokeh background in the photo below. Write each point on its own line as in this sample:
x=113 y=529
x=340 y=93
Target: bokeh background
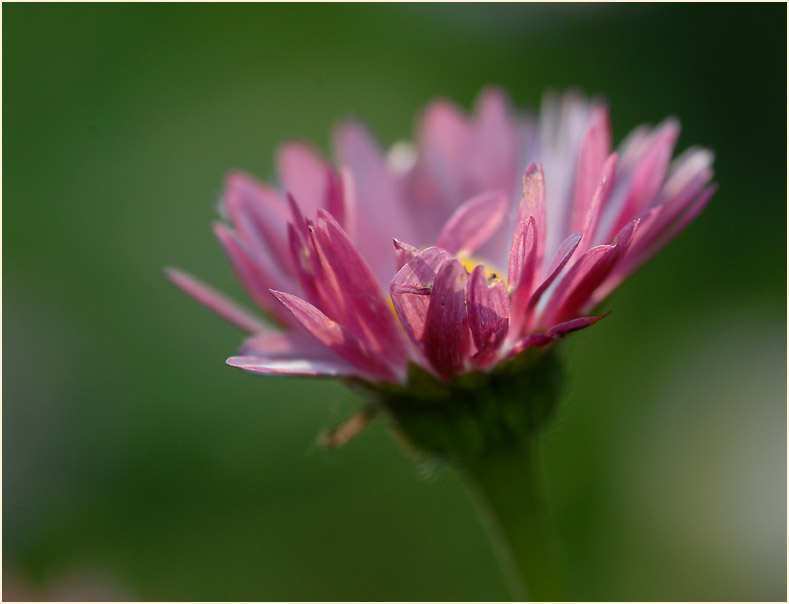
x=136 y=465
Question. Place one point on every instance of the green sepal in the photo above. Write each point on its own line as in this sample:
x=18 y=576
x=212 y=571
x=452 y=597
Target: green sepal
x=477 y=413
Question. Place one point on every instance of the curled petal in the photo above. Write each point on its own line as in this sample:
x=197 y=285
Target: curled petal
x=488 y=313
x=403 y=253
x=411 y=287
x=447 y=339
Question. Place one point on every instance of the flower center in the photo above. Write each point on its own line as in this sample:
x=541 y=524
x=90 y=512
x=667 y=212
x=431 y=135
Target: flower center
x=491 y=272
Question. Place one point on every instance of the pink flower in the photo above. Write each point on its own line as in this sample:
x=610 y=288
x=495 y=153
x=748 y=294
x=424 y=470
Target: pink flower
x=446 y=254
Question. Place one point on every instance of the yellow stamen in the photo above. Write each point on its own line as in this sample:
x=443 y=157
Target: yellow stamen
x=491 y=272
x=469 y=263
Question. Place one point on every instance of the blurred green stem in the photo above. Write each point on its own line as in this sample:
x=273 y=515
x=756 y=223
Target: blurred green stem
x=487 y=425
x=507 y=489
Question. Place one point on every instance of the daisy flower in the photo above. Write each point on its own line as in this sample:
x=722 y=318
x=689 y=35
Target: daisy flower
x=491 y=234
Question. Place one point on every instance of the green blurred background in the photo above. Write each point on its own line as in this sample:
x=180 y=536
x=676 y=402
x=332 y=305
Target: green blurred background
x=136 y=464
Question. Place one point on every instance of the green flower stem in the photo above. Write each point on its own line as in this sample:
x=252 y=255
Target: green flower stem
x=507 y=489
x=487 y=426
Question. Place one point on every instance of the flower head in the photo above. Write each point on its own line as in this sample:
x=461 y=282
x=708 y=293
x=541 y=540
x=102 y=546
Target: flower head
x=494 y=233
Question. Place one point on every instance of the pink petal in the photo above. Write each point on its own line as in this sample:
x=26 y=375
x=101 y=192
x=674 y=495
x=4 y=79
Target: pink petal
x=599 y=200
x=650 y=172
x=595 y=151
x=557 y=331
x=303 y=254
x=379 y=210
x=574 y=325
x=259 y=215
x=684 y=169
x=644 y=248
x=533 y=204
x=356 y=150
x=333 y=335
x=309 y=267
x=411 y=287
x=522 y=265
x=495 y=148
x=522 y=251
x=445 y=137
x=667 y=214
x=304 y=174
x=302 y=367
x=695 y=209
x=358 y=302
x=634 y=145
x=403 y=253
x=213 y=300
x=256 y=279
x=576 y=291
x=564 y=122
x=488 y=313
x=563 y=254
x=579 y=283
x=335 y=196
x=530 y=341
x=644 y=181
x=473 y=223
x=291 y=344
x=446 y=338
